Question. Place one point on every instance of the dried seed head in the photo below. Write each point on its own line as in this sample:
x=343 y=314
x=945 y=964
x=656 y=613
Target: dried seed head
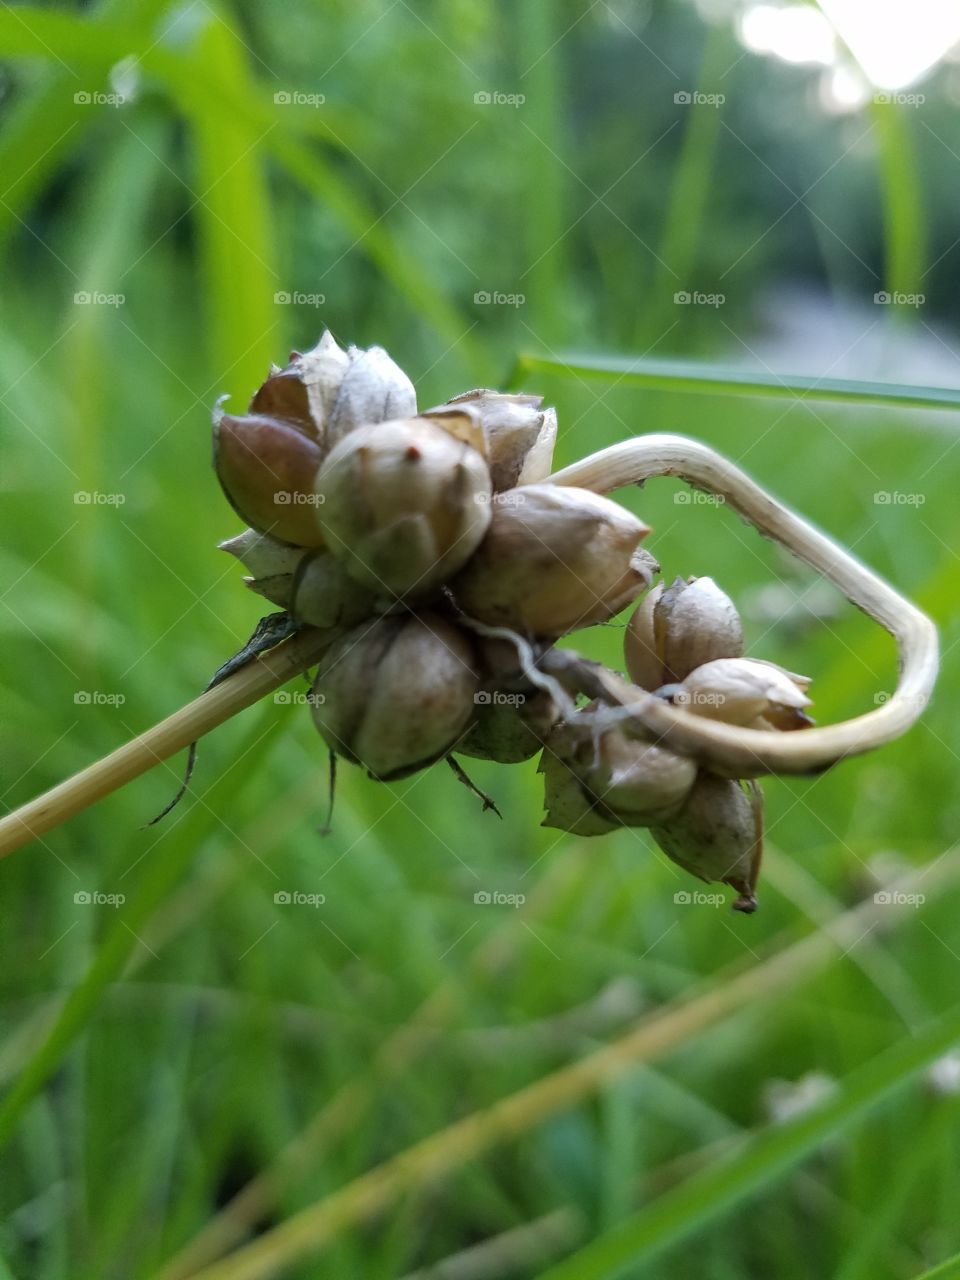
x=717 y=835
x=327 y=392
x=677 y=628
x=630 y=782
x=519 y=436
x=554 y=559
x=508 y=727
x=745 y=691
x=395 y=694
x=266 y=469
x=404 y=505
x=324 y=595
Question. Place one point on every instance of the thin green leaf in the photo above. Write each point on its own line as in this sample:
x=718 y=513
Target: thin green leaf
x=714 y=379
x=708 y=1195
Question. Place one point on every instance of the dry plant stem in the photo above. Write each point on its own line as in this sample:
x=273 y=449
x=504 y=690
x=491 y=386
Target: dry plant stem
x=248 y=685
x=728 y=749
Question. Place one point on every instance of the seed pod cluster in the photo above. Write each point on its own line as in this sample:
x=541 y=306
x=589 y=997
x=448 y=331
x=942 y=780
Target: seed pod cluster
x=443 y=565
x=684 y=643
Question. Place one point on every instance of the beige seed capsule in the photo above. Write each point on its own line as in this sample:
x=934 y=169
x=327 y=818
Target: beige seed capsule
x=395 y=694
x=717 y=835
x=327 y=392
x=746 y=691
x=519 y=437
x=631 y=782
x=555 y=558
x=677 y=628
x=569 y=807
x=403 y=505
x=271 y=564
x=324 y=595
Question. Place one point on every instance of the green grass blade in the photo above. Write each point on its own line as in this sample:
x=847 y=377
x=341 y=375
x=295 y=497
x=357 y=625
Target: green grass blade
x=707 y=1196
x=901 y=189
x=163 y=873
x=713 y=379
x=949 y=1269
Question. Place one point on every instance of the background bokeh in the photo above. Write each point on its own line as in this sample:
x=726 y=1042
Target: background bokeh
x=186 y=192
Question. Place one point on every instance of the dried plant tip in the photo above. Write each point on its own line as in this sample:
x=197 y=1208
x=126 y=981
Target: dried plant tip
x=324 y=595
x=404 y=505
x=327 y=392
x=396 y=694
x=508 y=727
x=519 y=436
x=678 y=628
x=266 y=469
x=717 y=835
x=261 y=555
x=554 y=559
x=745 y=691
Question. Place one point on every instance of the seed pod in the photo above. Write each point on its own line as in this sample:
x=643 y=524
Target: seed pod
x=508 y=727
x=519 y=436
x=633 y=783
x=404 y=505
x=324 y=595
x=569 y=806
x=680 y=627
x=266 y=469
x=555 y=558
x=745 y=691
x=327 y=392
x=717 y=835
x=395 y=694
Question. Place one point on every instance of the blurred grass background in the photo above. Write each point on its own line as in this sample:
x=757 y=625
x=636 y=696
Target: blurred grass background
x=201 y=1042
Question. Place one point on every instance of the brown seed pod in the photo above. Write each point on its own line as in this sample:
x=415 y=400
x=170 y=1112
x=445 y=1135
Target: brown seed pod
x=717 y=835
x=404 y=505
x=327 y=392
x=679 y=627
x=554 y=559
x=266 y=469
x=395 y=694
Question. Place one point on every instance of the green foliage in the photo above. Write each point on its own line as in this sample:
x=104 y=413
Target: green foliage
x=160 y=1052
